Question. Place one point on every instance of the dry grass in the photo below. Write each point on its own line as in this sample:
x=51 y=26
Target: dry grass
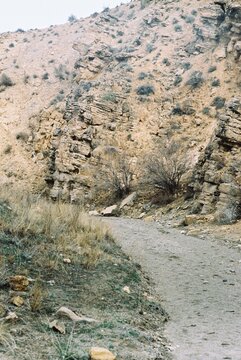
x=69 y=232
x=6 y=339
x=37 y=296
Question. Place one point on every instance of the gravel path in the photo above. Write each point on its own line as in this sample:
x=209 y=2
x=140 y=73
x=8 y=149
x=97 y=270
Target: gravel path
x=200 y=285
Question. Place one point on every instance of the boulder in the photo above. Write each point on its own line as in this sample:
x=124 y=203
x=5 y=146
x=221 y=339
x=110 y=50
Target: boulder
x=110 y=210
x=128 y=200
x=98 y=353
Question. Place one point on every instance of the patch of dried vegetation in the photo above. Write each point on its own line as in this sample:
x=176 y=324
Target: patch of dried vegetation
x=53 y=255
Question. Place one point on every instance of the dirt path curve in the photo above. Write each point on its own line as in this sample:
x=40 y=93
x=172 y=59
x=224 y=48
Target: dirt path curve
x=199 y=282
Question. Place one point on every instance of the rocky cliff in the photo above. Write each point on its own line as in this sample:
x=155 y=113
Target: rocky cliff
x=124 y=80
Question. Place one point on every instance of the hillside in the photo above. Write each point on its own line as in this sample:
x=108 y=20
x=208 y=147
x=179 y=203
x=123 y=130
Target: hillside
x=123 y=81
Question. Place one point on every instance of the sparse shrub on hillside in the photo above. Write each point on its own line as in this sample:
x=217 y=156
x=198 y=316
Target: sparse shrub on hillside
x=7 y=149
x=26 y=79
x=150 y=48
x=196 y=80
x=20 y=30
x=166 y=61
x=186 y=65
x=58 y=98
x=5 y=80
x=218 y=102
x=120 y=33
x=215 y=82
x=144 y=3
x=142 y=76
x=109 y=96
x=189 y=19
x=22 y=136
x=72 y=18
x=61 y=72
x=45 y=76
x=165 y=168
x=178 y=28
x=206 y=111
x=11 y=45
x=145 y=90
x=177 y=80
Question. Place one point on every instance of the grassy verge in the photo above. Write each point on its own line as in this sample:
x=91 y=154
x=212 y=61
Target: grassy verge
x=71 y=260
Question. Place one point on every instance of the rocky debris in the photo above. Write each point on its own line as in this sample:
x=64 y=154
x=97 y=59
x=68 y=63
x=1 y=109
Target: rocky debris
x=98 y=353
x=110 y=211
x=128 y=200
x=126 y=289
x=57 y=326
x=11 y=316
x=197 y=219
x=18 y=283
x=64 y=311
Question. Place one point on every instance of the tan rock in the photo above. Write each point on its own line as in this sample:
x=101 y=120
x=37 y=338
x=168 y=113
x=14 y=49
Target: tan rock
x=128 y=200
x=17 y=301
x=11 y=316
x=64 y=311
x=57 y=326
x=18 y=282
x=98 y=353
x=110 y=210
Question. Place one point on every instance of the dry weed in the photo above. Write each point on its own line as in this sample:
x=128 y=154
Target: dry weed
x=6 y=339
x=37 y=296
x=68 y=231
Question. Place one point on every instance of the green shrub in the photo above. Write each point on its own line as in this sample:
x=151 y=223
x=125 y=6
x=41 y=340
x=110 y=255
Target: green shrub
x=196 y=80
x=166 y=61
x=61 y=72
x=145 y=90
x=218 y=102
x=149 y=48
x=177 y=80
x=109 y=96
x=142 y=76
x=72 y=18
x=215 y=82
x=5 y=80
x=45 y=76
x=206 y=111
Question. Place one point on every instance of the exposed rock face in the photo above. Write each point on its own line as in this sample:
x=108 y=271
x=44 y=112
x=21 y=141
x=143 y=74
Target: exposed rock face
x=124 y=80
x=218 y=172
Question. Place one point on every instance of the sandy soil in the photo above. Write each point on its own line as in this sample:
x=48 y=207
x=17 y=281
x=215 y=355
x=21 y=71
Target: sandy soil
x=199 y=281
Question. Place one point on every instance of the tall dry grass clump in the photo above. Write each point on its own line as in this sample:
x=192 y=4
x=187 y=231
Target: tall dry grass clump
x=67 y=229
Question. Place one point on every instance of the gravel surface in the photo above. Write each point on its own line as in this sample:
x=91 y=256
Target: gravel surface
x=199 y=281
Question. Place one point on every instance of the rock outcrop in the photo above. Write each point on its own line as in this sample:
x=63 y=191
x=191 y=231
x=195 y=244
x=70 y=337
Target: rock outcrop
x=123 y=81
x=217 y=176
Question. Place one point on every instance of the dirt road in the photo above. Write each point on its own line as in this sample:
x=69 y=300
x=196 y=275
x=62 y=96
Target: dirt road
x=200 y=285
